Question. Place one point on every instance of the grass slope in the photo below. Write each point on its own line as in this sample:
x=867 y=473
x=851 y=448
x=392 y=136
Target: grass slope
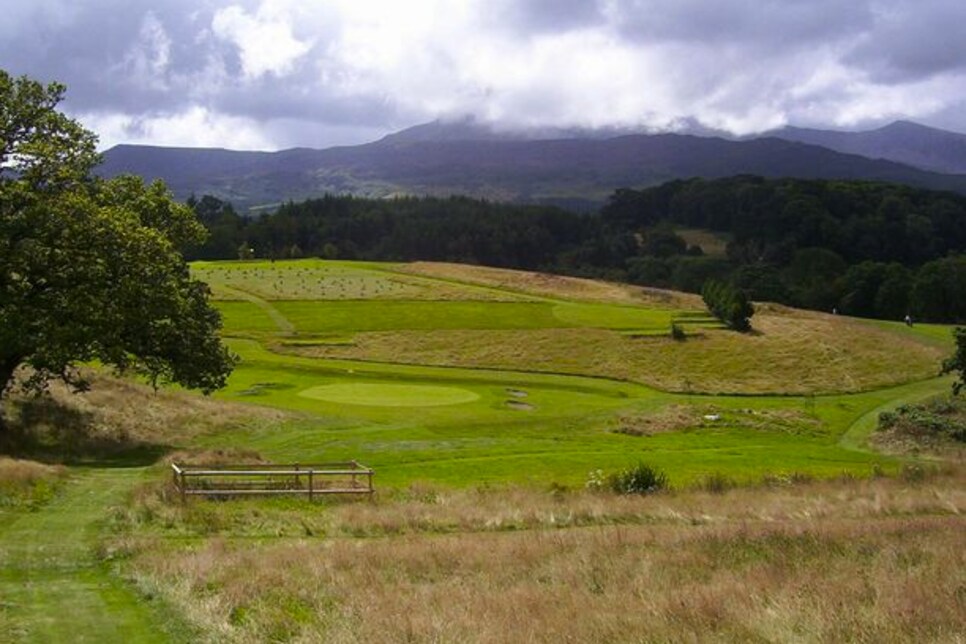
x=473 y=392
x=527 y=412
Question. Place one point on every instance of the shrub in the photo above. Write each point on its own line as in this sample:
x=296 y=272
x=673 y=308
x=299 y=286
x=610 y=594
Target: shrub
x=677 y=332
x=728 y=304
x=639 y=479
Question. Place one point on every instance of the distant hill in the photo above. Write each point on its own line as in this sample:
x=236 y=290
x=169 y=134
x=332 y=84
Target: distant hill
x=904 y=142
x=466 y=158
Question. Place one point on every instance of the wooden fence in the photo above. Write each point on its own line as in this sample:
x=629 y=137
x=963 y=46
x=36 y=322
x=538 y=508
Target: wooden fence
x=348 y=477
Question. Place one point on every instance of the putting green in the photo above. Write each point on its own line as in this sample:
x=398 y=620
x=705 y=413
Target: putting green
x=387 y=395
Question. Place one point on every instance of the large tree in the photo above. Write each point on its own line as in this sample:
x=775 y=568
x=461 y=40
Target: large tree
x=91 y=269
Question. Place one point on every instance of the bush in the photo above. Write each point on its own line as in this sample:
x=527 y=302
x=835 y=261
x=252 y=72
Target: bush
x=728 y=304
x=940 y=418
x=639 y=479
x=677 y=332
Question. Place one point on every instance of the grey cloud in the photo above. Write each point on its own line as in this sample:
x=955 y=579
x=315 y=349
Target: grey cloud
x=914 y=40
x=748 y=23
x=719 y=60
x=541 y=16
x=90 y=50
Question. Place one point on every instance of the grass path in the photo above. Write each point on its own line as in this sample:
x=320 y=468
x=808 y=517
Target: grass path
x=283 y=324
x=53 y=588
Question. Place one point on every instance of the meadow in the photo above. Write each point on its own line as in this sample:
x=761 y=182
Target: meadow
x=493 y=404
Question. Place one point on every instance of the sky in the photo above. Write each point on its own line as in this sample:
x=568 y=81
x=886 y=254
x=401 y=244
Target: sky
x=274 y=74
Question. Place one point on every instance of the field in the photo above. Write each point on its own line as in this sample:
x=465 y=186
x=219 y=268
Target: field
x=492 y=404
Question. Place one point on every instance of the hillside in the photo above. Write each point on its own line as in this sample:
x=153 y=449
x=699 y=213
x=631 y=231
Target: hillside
x=903 y=142
x=574 y=171
x=497 y=409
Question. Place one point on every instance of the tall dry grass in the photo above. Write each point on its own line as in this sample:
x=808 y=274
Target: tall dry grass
x=117 y=416
x=874 y=560
x=28 y=483
x=556 y=286
x=790 y=351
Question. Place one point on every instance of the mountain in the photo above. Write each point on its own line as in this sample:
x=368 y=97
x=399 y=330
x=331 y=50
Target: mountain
x=442 y=159
x=903 y=142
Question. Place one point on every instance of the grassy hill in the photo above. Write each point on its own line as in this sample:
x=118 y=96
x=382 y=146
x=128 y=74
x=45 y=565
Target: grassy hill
x=491 y=404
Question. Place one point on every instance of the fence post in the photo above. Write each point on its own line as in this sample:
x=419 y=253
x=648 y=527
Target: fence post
x=184 y=493
x=311 y=483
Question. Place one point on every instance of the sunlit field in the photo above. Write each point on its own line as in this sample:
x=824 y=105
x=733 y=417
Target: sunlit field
x=496 y=407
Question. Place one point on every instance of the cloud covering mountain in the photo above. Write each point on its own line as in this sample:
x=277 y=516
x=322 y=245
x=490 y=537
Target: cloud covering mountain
x=271 y=74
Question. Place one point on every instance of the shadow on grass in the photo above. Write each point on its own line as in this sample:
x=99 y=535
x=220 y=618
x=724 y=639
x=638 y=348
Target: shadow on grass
x=46 y=430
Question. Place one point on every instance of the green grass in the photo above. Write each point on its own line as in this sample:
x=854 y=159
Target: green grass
x=471 y=427
x=55 y=589
x=513 y=424
x=389 y=395
x=358 y=316
x=566 y=433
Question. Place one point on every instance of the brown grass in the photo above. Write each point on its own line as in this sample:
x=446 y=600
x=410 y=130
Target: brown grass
x=25 y=483
x=673 y=418
x=791 y=351
x=555 y=286
x=118 y=415
x=877 y=560
x=23 y=472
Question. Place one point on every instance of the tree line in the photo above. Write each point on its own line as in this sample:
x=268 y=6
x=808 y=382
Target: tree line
x=862 y=248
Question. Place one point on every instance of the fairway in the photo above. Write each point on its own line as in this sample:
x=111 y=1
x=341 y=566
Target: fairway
x=418 y=370
x=388 y=395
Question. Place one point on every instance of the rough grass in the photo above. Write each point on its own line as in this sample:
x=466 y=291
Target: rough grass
x=791 y=352
x=872 y=560
x=674 y=418
x=313 y=279
x=118 y=419
x=936 y=427
x=25 y=483
x=554 y=286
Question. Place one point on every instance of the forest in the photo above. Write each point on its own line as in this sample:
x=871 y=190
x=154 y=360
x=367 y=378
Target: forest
x=862 y=248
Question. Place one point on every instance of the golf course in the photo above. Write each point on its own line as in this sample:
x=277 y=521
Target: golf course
x=494 y=405
x=476 y=377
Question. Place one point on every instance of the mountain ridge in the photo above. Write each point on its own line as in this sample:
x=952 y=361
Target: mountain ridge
x=470 y=158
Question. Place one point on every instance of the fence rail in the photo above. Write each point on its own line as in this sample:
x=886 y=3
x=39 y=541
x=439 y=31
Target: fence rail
x=347 y=477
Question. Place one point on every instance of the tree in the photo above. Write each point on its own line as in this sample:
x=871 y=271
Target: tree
x=728 y=304
x=90 y=269
x=958 y=360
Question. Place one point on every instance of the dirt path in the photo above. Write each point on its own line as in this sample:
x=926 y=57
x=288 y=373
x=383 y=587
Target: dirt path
x=52 y=588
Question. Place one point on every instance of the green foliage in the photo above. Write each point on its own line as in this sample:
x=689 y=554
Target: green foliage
x=91 y=269
x=677 y=332
x=957 y=362
x=728 y=304
x=791 y=241
x=937 y=294
x=942 y=418
x=638 y=479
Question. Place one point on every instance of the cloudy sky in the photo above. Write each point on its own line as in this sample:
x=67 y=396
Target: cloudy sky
x=270 y=74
